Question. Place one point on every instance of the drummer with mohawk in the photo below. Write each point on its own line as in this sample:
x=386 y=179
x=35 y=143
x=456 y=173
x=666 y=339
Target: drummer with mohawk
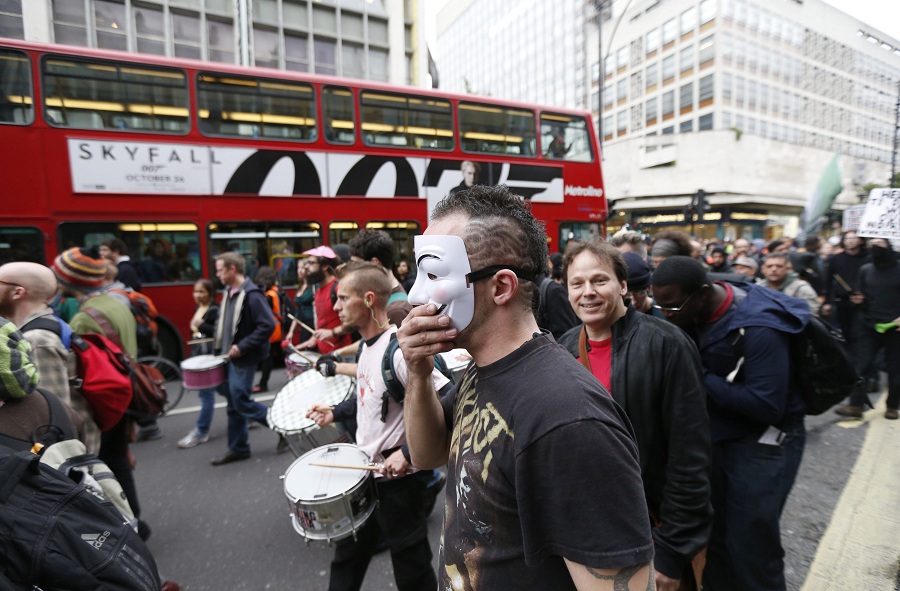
x=362 y=297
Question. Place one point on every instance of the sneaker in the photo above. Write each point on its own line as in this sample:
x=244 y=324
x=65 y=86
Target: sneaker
x=149 y=433
x=283 y=445
x=433 y=489
x=259 y=388
x=849 y=410
x=192 y=439
x=892 y=414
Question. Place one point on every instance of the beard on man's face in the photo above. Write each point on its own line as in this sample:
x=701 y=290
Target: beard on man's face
x=316 y=276
x=6 y=304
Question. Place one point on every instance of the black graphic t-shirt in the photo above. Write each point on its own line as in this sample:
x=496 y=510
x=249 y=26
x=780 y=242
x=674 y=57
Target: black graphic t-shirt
x=542 y=467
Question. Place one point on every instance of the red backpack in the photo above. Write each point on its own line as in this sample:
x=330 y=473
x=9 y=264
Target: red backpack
x=103 y=375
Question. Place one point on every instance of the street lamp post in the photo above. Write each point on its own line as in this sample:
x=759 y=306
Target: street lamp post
x=896 y=132
x=601 y=4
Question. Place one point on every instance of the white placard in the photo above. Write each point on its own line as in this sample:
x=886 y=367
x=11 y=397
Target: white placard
x=882 y=216
x=851 y=218
x=138 y=167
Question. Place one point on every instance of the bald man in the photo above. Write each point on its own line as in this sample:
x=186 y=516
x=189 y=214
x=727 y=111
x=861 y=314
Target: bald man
x=25 y=292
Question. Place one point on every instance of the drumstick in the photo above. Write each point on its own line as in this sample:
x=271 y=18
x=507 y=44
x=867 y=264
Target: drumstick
x=843 y=283
x=348 y=467
x=301 y=323
x=200 y=341
x=307 y=327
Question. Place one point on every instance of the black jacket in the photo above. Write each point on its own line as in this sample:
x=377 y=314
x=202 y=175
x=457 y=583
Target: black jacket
x=657 y=379
x=128 y=274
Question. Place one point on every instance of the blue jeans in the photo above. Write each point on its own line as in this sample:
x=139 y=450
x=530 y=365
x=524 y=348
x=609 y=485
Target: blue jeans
x=241 y=407
x=750 y=485
x=207 y=409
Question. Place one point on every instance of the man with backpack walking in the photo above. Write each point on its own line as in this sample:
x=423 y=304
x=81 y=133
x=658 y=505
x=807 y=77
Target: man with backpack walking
x=755 y=414
x=363 y=293
x=83 y=271
x=25 y=290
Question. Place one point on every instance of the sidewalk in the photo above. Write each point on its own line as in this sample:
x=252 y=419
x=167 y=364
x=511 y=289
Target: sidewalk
x=861 y=548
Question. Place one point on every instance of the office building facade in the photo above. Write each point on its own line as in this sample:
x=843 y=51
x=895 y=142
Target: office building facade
x=371 y=39
x=748 y=100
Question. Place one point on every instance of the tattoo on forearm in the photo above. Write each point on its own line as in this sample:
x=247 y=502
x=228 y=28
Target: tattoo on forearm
x=623 y=577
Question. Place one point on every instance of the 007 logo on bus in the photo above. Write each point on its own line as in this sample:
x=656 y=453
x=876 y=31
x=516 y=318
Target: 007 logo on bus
x=140 y=168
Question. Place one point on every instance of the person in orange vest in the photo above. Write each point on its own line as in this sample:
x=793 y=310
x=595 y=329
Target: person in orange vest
x=267 y=279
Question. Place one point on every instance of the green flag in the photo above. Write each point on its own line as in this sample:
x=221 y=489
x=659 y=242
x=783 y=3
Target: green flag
x=818 y=204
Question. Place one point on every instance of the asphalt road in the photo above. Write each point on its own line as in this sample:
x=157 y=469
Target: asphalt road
x=228 y=527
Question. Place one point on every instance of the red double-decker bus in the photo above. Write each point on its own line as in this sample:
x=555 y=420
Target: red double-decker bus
x=184 y=160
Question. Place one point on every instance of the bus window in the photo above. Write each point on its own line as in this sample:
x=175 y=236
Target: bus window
x=565 y=137
x=404 y=121
x=337 y=107
x=86 y=94
x=401 y=233
x=21 y=243
x=264 y=243
x=249 y=107
x=342 y=232
x=164 y=252
x=577 y=231
x=489 y=129
x=16 y=105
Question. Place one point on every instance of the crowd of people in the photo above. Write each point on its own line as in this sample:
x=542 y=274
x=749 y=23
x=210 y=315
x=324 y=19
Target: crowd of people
x=630 y=418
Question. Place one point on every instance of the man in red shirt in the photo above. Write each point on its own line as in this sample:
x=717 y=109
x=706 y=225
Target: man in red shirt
x=322 y=263
x=653 y=371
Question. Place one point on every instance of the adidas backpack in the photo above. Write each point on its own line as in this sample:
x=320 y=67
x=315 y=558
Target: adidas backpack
x=69 y=528
x=56 y=535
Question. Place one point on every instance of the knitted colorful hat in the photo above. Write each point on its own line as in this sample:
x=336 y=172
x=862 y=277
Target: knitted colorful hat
x=81 y=269
x=18 y=375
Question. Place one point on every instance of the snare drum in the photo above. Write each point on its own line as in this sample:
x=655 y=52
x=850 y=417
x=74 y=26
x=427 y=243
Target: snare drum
x=329 y=503
x=288 y=413
x=202 y=372
x=295 y=364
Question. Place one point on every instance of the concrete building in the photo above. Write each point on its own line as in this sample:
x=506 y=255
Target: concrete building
x=371 y=39
x=530 y=50
x=748 y=100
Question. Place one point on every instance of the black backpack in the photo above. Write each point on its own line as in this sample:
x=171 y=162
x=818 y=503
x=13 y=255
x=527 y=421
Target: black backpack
x=56 y=535
x=540 y=314
x=821 y=368
x=395 y=388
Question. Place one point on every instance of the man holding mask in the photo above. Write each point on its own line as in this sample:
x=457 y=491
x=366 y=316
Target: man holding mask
x=533 y=440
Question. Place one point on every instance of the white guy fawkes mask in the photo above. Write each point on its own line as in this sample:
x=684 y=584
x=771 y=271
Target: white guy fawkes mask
x=442 y=279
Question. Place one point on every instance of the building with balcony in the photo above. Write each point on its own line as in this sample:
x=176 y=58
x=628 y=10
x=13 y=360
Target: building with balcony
x=370 y=39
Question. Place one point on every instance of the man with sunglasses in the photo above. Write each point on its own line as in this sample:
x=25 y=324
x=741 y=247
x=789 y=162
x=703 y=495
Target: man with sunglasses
x=543 y=485
x=664 y=399
x=755 y=414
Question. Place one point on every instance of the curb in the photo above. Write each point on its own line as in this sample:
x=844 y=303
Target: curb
x=861 y=547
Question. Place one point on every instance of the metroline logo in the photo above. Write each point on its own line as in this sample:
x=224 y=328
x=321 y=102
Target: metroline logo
x=96 y=540
x=589 y=191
